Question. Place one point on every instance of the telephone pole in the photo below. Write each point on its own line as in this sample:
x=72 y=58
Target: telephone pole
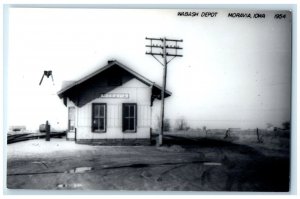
x=165 y=48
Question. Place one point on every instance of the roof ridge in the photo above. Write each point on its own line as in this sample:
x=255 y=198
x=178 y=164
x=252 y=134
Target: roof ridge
x=110 y=64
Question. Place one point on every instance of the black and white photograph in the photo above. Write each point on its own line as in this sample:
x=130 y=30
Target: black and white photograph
x=106 y=99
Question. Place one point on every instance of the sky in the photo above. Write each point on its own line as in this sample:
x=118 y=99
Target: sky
x=234 y=73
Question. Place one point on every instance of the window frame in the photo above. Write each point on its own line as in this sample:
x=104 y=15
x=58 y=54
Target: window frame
x=135 y=118
x=105 y=118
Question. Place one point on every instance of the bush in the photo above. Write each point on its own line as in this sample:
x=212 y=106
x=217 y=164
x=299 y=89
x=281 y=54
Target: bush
x=286 y=125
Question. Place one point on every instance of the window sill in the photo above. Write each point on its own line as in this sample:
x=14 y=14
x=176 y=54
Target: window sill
x=129 y=131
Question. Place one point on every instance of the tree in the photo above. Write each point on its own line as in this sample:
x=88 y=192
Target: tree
x=167 y=125
x=181 y=124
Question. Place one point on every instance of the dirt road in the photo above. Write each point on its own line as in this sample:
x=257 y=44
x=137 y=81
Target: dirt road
x=181 y=165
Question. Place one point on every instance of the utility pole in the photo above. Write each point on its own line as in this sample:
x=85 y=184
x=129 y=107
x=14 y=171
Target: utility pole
x=162 y=47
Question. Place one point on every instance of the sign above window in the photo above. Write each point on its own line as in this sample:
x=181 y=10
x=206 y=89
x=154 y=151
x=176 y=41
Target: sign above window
x=115 y=95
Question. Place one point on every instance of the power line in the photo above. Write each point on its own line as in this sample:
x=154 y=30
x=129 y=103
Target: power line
x=163 y=48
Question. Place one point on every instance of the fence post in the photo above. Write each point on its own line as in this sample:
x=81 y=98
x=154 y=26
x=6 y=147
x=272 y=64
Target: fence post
x=47 y=131
x=227 y=134
x=259 y=137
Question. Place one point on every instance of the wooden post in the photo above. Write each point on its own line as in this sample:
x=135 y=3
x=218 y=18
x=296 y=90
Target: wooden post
x=47 y=131
x=162 y=111
x=259 y=137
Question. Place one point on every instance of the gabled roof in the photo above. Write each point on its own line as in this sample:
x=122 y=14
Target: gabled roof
x=110 y=64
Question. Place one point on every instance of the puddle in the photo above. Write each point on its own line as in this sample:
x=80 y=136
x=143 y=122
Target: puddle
x=36 y=162
x=69 y=186
x=80 y=170
x=212 y=163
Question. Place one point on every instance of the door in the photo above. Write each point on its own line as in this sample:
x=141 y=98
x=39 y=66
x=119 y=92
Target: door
x=71 y=119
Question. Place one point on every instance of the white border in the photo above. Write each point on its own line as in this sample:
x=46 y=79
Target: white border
x=260 y=4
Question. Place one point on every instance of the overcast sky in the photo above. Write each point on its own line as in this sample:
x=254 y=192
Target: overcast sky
x=235 y=72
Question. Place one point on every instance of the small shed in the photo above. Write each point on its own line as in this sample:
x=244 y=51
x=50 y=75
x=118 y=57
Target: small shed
x=110 y=105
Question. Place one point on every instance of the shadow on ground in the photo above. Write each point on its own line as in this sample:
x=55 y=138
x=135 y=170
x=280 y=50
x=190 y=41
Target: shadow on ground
x=255 y=172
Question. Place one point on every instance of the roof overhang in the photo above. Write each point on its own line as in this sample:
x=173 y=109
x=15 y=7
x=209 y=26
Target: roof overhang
x=110 y=64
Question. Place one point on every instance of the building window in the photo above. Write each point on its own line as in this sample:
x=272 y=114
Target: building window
x=99 y=118
x=71 y=118
x=129 y=117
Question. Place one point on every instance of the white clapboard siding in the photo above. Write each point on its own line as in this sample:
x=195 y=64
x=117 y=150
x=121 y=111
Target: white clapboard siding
x=139 y=93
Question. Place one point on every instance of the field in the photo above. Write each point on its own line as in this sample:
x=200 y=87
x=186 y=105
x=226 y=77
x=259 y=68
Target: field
x=188 y=161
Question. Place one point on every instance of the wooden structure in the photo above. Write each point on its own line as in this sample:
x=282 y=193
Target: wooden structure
x=113 y=104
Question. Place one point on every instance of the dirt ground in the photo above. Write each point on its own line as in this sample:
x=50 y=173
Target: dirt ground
x=182 y=164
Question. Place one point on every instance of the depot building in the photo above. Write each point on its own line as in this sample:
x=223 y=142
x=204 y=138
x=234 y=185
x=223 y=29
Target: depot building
x=111 y=105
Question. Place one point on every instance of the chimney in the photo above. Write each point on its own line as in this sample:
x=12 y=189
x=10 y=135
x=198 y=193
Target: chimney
x=111 y=61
